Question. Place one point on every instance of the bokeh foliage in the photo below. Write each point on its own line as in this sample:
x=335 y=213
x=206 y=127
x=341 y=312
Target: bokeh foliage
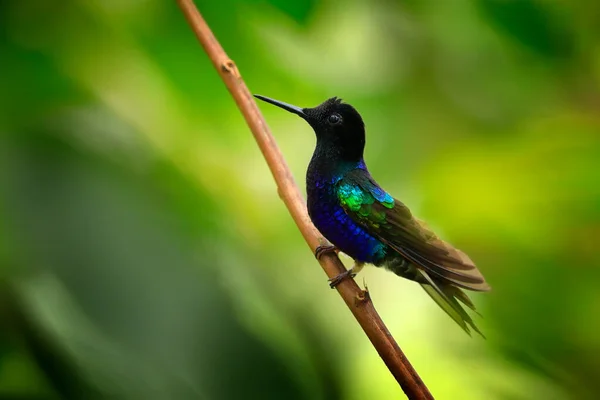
x=144 y=250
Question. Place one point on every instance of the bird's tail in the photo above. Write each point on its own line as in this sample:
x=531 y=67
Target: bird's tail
x=446 y=295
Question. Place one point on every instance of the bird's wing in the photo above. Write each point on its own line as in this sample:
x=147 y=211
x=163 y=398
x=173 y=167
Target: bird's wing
x=392 y=222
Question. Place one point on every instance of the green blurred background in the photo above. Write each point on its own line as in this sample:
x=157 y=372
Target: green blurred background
x=145 y=253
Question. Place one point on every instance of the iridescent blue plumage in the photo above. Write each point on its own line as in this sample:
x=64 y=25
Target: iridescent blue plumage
x=364 y=221
x=334 y=223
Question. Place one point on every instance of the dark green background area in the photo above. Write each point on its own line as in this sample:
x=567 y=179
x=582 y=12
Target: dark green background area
x=144 y=252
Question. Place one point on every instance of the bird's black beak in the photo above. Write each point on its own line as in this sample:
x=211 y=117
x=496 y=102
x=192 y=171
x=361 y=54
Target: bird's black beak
x=288 y=107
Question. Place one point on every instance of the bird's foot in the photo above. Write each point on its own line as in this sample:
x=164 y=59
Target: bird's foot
x=356 y=268
x=325 y=249
x=333 y=282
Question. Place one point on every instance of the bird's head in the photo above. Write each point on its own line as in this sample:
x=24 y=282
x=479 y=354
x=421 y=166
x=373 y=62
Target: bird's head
x=339 y=127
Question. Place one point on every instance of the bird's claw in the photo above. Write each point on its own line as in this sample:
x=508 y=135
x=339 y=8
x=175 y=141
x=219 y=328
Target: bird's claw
x=333 y=282
x=325 y=249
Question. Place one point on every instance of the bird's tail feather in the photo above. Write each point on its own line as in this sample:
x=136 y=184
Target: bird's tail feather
x=446 y=295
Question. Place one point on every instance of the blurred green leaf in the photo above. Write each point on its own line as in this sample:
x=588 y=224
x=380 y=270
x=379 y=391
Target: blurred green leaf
x=299 y=10
x=532 y=23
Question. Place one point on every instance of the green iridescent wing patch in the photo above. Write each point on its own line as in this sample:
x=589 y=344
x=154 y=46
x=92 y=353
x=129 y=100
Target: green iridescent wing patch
x=359 y=201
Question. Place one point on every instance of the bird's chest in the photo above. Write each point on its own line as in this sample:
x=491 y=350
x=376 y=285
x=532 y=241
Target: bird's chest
x=332 y=221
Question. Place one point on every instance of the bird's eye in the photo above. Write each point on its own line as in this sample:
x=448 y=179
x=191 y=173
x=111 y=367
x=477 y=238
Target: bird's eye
x=334 y=119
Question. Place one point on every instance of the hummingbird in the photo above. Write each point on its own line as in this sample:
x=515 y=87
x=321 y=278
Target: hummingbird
x=365 y=222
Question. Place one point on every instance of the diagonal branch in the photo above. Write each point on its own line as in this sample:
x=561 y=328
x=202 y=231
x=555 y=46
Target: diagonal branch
x=357 y=300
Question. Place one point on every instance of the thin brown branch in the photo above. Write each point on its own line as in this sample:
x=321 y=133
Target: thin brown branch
x=357 y=300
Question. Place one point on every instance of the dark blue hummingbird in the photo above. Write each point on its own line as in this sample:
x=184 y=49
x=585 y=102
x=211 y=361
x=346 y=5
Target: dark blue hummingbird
x=365 y=222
